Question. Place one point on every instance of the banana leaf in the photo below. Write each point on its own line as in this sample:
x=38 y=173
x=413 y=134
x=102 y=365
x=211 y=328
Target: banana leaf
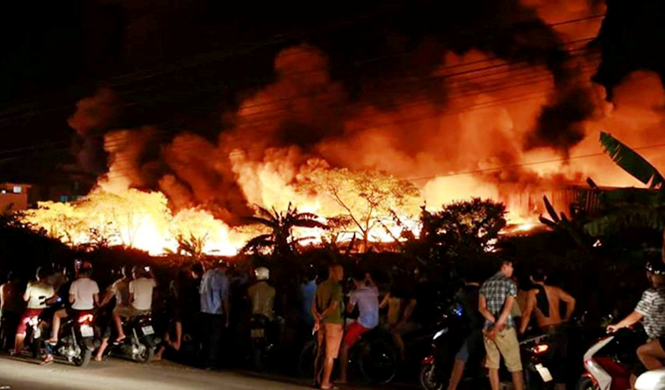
x=631 y=162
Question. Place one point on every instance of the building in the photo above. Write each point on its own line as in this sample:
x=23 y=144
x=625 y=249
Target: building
x=14 y=196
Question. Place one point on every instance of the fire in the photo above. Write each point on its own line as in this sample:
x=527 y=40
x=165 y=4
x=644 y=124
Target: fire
x=132 y=218
x=510 y=129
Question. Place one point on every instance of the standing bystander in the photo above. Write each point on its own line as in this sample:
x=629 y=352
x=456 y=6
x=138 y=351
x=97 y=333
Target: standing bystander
x=215 y=309
x=497 y=296
x=328 y=322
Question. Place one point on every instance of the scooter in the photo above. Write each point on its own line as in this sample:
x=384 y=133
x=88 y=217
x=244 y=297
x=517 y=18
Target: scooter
x=609 y=360
x=263 y=340
x=436 y=368
x=141 y=343
x=651 y=380
x=76 y=340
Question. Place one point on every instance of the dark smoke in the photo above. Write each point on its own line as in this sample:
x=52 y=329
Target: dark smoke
x=561 y=123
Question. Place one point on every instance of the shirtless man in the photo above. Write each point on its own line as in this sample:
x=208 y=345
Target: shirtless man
x=545 y=302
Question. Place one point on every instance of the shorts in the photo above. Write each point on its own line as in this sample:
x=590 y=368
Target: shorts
x=353 y=333
x=75 y=313
x=330 y=335
x=473 y=345
x=25 y=319
x=504 y=344
x=128 y=311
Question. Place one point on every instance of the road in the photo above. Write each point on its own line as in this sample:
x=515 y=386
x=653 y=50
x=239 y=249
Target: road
x=24 y=374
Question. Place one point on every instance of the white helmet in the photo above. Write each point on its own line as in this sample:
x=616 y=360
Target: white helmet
x=262 y=273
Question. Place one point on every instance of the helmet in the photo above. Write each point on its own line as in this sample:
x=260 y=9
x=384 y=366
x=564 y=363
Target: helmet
x=85 y=266
x=656 y=267
x=262 y=273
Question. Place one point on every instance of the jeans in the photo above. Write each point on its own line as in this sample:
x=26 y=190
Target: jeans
x=211 y=336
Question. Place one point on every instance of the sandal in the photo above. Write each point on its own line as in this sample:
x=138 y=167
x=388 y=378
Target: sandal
x=47 y=360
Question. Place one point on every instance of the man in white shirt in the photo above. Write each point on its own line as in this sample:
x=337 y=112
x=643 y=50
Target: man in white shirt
x=140 y=297
x=36 y=294
x=83 y=296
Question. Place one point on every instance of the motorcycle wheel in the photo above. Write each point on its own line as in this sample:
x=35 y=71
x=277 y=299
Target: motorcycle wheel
x=84 y=359
x=379 y=362
x=146 y=355
x=586 y=384
x=427 y=378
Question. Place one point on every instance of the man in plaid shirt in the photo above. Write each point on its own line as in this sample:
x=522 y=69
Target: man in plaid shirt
x=497 y=296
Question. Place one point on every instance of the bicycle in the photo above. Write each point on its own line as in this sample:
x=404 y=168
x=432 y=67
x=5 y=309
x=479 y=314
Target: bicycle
x=372 y=357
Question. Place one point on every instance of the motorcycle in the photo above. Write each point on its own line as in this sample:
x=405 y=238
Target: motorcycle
x=608 y=361
x=262 y=339
x=33 y=337
x=141 y=343
x=651 y=380
x=373 y=357
x=536 y=353
x=76 y=340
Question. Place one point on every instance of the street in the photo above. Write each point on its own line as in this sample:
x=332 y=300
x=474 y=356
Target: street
x=112 y=374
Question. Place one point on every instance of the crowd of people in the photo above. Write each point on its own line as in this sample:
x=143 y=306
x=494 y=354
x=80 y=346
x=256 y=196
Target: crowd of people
x=200 y=303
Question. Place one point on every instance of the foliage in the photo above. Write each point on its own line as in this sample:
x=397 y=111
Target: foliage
x=572 y=226
x=631 y=162
x=192 y=246
x=628 y=208
x=366 y=199
x=462 y=230
x=281 y=224
x=474 y=224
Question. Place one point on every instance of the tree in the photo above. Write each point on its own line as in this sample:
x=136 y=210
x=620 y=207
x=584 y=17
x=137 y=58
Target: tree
x=192 y=247
x=468 y=225
x=281 y=225
x=366 y=199
x=627 y=208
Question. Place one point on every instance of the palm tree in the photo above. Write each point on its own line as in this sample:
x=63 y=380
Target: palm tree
x=628 y=207
x=281 y=225
x=620 y=208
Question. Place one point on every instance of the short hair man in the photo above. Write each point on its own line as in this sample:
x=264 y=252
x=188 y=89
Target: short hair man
x=545 y=302
x=497 y=296
x=328 y=321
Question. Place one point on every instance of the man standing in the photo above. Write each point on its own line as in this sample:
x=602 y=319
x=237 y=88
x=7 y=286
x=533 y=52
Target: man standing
x=497 y=296
x=468 y=297
x=545 y=302
x=10 y=308
x=328 y=321
x=215 y=309
x=366 y=297
x=262 y=294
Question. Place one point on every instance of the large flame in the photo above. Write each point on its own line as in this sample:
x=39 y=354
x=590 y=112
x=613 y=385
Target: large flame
x=492 y=131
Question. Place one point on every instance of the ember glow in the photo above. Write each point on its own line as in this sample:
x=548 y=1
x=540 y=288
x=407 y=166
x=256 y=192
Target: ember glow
x=506 y=129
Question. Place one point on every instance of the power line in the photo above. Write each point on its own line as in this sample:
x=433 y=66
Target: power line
x=513 y=166
x=496 y=102
x=282 y=36
x=531 y=76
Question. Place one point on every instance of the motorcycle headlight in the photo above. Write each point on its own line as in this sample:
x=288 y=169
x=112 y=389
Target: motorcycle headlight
x=440 y=333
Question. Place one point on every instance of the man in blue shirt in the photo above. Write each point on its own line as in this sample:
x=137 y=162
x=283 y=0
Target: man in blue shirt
x=215 y=309
x=307 y=294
